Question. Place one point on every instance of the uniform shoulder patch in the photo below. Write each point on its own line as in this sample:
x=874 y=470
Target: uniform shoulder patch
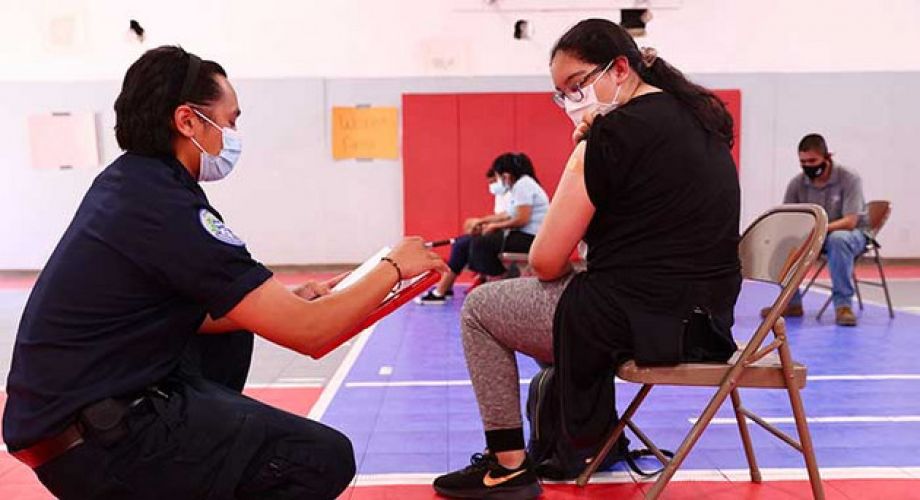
x=216 y=228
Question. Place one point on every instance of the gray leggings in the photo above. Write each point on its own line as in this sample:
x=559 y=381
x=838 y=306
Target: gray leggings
x=498 y=319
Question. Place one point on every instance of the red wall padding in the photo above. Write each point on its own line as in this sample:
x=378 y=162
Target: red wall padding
x=732 y=100
x=450 y=140
x=430 y=159
x=544 y=132
x=486 y=130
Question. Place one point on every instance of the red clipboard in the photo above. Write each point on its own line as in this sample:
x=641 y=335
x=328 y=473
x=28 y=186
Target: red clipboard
x=394 y=302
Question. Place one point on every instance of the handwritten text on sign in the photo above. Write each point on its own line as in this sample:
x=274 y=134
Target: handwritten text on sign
x=365 y=133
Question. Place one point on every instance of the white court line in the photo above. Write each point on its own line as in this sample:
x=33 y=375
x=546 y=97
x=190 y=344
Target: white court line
x=826 y=281
x=304 y=380
x=892 y=376
x=893 y=419
x=325 y=398
x=416 y=383
x=523 y=381
x=739 y=475
x=286 y=385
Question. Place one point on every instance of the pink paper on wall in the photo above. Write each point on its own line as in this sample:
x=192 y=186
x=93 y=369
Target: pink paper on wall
x=63 y=140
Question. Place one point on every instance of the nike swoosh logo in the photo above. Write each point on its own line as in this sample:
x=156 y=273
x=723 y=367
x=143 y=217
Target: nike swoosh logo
x=491 y=482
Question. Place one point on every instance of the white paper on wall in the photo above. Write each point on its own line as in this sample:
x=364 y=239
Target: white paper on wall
x=63 y=140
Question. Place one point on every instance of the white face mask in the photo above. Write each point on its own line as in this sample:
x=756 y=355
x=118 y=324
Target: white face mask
x=215 y=168
x=497 y=188
x=590 y=103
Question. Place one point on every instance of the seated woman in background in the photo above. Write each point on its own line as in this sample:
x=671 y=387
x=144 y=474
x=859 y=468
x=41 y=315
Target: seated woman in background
x=654 y=192
x=460 y=249
x=510 y=230
x=515 y=231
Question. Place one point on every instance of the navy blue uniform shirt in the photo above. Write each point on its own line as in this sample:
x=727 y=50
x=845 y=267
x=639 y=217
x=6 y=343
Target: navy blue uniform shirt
x=144 y=260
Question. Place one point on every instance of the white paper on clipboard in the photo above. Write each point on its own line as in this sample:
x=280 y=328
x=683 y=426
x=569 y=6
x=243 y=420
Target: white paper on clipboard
x=362 y=270
x=366 y=267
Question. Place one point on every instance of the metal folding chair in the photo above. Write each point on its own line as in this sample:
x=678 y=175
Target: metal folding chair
x=779 y=247
x=516 y=259
x=878 y=212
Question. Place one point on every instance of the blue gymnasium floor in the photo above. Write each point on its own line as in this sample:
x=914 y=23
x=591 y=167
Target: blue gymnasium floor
x=407 y=405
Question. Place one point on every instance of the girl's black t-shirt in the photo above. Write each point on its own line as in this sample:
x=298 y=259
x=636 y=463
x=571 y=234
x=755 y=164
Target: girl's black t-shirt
x=666 y=195
x=663 y=270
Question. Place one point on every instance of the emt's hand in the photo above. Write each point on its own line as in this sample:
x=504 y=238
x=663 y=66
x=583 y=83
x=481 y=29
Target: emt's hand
x=413 y=258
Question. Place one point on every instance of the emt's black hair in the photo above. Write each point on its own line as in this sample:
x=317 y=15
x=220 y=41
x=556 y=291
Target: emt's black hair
x=154 y=86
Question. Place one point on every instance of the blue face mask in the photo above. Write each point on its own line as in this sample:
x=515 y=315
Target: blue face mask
x=498 y=188
x=215 y=168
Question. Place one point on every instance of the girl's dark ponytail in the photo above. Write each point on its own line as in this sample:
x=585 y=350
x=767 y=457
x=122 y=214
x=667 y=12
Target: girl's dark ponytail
x=706 y=106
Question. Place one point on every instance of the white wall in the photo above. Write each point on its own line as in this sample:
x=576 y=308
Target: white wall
x=802 y=66
x=86 y=39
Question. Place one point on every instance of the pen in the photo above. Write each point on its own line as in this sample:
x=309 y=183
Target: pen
x=439 y=243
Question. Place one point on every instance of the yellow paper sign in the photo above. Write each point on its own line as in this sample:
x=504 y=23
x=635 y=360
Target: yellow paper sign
x=365 y=133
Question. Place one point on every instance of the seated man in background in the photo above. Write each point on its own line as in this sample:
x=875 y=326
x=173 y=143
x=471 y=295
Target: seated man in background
x=839 y=191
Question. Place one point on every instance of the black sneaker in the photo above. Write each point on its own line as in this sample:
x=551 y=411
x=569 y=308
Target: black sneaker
x=432 y=298
x=449 y=293
x=486 y=478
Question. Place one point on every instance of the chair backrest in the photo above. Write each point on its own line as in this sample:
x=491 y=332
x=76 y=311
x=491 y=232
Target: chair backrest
x=777 y=244
x=780 y=247
x=877 y=211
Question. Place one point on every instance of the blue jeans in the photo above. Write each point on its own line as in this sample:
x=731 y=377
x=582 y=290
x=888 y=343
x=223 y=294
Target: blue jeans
x=840 y=249
x=459 y=253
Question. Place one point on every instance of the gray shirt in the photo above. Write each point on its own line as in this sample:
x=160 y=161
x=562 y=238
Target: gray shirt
x=842 y=195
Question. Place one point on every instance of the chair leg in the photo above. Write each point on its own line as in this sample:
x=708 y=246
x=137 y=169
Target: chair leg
x=856 y=287
x=881 y=273
x=745 y=437
x=811 y=282
x=814 y=276
x=598 y=459
x=824 y=307
x=692 y=437
x=801 y=424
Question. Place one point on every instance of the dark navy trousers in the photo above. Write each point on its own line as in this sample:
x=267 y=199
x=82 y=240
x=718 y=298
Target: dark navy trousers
x=200 y=438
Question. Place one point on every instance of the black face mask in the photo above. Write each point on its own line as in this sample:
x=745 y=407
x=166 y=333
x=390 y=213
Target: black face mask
x=815 y=171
